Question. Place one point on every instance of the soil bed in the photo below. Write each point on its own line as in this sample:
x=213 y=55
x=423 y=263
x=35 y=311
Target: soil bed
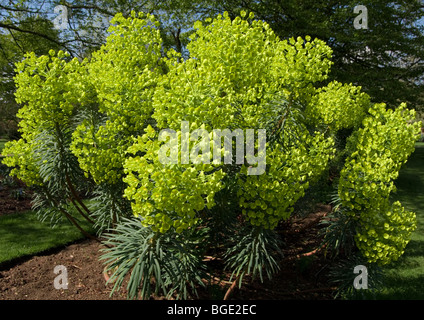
x=300 y=277
x=14 y=198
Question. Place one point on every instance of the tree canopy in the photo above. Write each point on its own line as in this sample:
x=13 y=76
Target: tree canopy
x=386 y=59
x=22 y=30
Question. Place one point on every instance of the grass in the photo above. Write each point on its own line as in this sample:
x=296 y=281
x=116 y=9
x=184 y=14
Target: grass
x=2 y=143
x=404 y=279
x=22 y=234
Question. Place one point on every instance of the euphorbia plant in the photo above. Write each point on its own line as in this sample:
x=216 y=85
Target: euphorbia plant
x=108 y=112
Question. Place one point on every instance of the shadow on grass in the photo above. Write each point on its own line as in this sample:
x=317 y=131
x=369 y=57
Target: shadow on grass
x=403 y=288
x=415 y=248
x=404 y=278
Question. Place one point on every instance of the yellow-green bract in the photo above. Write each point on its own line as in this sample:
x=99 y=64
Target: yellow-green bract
x=239 y=75
x=379 y=149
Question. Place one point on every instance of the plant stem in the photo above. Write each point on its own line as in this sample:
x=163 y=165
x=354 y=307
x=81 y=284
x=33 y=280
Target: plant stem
x=72 y=220
x=77 y=198
x=231 y=289
x=68 y=216
x=80 y=211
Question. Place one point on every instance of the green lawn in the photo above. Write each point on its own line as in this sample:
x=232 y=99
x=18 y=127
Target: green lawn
x=22 y=234
x=405 y=278
x=2 y=143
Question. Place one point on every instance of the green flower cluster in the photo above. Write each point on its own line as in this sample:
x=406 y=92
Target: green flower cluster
x=379 y=149
x=21 y=158
x=239 y=75
x=269 y=198
x=45 y=90
x=121 y=77
x=237 y=67
x=385 y=232
x=167 y=195
x=237 y=70
x=339 y=106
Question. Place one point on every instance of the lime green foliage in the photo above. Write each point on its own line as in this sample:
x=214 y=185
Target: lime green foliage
x=45 y=88
x=21 y=161
x=338 y=106
x=167 y=196
x=102 y=119
x=267 y=199
x=122 y=76
x=238 y=67
x=380 y=148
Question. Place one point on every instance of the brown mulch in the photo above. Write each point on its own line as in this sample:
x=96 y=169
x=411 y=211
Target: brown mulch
x=301 y=276
x=10 y=202
x=34 y=279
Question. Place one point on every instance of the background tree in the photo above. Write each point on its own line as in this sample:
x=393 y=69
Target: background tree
x=387 y=59
x=21 y=30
